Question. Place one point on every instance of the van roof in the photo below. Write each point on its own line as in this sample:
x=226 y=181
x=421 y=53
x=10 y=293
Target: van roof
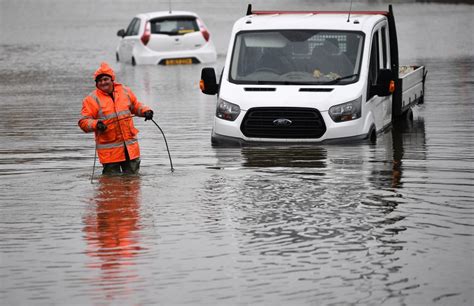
x=327 y=20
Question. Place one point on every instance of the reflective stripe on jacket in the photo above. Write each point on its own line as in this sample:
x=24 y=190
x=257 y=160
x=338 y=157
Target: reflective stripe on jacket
x=116 y=114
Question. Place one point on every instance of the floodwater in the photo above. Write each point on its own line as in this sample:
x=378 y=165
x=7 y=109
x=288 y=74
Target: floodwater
x=384 y=224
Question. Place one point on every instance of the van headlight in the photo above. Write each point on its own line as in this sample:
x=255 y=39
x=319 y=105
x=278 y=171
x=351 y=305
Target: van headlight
x=226 y=110
x=346 y=111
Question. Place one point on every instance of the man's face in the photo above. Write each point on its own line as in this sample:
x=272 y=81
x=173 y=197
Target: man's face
x=105 y=84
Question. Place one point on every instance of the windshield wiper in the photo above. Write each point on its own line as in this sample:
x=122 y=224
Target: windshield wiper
x=335 y=81
x=264 y=82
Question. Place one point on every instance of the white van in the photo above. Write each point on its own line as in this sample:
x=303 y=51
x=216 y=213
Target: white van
x=311 y=77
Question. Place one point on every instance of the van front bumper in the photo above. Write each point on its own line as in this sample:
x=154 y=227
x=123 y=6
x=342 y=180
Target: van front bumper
x=228 y=141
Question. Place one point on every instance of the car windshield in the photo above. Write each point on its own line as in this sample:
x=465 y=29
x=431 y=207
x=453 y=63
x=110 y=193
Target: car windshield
x=287 y=57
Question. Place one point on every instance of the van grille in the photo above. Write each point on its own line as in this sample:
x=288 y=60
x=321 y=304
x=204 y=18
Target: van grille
x=283 y=122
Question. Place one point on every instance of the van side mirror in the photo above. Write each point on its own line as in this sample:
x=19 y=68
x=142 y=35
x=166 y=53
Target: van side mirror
x=208 y=83
x=385 y=83
x=121 y=33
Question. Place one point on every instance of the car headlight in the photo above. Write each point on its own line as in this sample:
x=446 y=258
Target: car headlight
x=226 y=110
x=346 y=111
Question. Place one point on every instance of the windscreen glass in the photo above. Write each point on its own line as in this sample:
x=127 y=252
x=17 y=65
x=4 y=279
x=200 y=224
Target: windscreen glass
x=297 y=57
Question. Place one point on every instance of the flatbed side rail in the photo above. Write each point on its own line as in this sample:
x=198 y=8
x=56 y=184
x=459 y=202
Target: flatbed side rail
x=411 y=89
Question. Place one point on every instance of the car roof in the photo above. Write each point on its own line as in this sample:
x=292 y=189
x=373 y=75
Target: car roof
x=151 y=15
x=308 y=20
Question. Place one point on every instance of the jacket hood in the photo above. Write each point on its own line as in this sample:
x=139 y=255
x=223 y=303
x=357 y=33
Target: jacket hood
x=104 y=69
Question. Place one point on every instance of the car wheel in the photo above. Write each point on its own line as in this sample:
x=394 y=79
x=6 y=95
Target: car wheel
x=117 y=57
x=373 y=135
x=133 y=62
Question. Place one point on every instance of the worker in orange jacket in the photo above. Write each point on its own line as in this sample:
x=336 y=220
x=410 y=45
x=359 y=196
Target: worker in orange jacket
x=107 y=111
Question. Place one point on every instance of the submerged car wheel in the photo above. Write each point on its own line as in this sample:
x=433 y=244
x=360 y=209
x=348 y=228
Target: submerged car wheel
x=133 y=62
x=373 y=135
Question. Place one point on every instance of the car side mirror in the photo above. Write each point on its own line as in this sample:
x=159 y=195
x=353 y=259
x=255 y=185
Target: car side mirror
x=121 y=33
x=208 y=83
x=385 y=83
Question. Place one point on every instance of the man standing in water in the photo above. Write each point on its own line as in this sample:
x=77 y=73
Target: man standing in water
x=108 y=112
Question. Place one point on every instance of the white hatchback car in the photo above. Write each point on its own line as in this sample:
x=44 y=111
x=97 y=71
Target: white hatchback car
x=166 y=38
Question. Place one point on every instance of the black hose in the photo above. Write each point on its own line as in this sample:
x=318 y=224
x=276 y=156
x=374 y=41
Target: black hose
x=164 y=137
x=95 y=157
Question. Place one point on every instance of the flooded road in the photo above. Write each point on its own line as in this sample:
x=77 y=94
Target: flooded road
x=384 y=224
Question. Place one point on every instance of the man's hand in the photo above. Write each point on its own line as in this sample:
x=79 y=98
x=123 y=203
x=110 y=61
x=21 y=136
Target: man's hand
x=101 y=126
x=148 y=115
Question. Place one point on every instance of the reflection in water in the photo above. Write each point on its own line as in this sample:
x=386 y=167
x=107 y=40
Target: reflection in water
x=407 y=136
x=405 y=141
x=289 y=156
x=307 y=209
x=111 y=233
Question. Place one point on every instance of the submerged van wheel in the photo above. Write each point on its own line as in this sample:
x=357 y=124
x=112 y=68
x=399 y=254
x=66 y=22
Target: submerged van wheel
x=408 y=115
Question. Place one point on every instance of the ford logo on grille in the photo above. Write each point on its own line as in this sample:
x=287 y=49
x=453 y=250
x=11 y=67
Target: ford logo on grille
x=282 y=122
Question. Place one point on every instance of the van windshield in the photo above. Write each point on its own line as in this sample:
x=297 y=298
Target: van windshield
x=303 y=57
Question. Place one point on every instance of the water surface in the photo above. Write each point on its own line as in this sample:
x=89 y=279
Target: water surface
x=384 y=224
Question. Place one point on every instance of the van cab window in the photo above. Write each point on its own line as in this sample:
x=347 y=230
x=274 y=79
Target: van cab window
x=296 y=57
x=383 y=32
x=376 y=63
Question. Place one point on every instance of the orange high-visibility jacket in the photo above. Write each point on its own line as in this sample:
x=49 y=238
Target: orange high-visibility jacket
x=116 y=113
